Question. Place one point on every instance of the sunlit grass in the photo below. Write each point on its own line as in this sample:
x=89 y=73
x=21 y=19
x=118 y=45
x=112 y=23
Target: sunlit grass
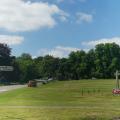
x=62 y=100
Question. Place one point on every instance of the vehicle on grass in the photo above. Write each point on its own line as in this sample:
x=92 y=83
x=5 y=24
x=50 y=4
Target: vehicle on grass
x=116 y=91
x=32 y=83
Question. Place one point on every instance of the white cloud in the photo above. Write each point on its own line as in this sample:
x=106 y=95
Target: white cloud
x=84 y=17
x=11 y=40
x=104 y=40
x=58 y=51
x=19 y=15
x=64 y=16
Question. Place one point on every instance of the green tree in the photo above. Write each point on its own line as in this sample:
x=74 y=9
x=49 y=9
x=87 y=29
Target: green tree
x=64 y=70
x=5 y=60
x=27 y=67
x=78 y=64
x=50 y=66
x=106 y=55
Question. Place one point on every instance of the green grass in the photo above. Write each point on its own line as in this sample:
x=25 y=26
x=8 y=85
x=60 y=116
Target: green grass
x=62 y=100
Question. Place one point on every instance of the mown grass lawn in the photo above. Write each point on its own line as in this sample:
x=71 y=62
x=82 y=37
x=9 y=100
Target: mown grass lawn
x=62 y=100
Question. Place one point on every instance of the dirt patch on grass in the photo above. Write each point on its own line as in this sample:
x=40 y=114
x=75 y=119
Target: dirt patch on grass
x=116 y=118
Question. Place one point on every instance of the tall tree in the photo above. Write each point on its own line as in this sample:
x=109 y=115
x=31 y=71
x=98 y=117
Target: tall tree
x=5 y=60
x=78 y=64
x=49 y=66
x=27 y=67
x=106 y=56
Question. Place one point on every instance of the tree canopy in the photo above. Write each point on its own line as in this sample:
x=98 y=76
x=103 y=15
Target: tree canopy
x=100 y=62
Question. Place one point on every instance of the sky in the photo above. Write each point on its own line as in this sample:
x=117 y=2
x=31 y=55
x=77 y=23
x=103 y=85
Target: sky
x=57 y=27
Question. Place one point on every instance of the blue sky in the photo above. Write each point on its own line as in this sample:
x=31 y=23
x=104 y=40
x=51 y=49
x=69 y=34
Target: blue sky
x=57 y=27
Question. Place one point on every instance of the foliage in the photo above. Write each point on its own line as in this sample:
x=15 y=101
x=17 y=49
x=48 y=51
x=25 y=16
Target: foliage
x=100 y=62
x=6 y=60
x=27 y=68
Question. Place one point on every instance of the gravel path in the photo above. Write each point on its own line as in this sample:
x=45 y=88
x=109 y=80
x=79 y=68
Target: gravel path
x=10 y=87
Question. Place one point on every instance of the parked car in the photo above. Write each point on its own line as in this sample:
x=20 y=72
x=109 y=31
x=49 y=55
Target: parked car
x=32 y=83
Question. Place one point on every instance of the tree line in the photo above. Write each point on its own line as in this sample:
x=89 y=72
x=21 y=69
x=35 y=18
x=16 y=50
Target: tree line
x=100 y=62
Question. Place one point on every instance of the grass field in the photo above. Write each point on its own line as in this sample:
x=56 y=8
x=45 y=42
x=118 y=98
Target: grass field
x=62 y=100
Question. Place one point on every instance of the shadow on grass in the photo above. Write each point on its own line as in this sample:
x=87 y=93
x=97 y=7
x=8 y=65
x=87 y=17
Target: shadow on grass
x=90 y=118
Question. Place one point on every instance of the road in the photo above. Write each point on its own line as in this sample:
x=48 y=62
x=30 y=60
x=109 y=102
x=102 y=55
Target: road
x=10 y=87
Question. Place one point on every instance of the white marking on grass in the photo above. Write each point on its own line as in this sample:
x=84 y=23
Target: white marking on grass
x=10 y=87
x=3 y=90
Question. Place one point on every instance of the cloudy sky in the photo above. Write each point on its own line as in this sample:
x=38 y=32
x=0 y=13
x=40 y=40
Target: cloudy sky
x=57 y=27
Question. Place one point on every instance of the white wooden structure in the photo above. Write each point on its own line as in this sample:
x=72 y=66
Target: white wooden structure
x=117 y=89
x=6 y=68
x=117 y=79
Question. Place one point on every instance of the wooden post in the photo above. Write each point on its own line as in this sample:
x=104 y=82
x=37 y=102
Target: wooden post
x=82 y=92
x=117 y=80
